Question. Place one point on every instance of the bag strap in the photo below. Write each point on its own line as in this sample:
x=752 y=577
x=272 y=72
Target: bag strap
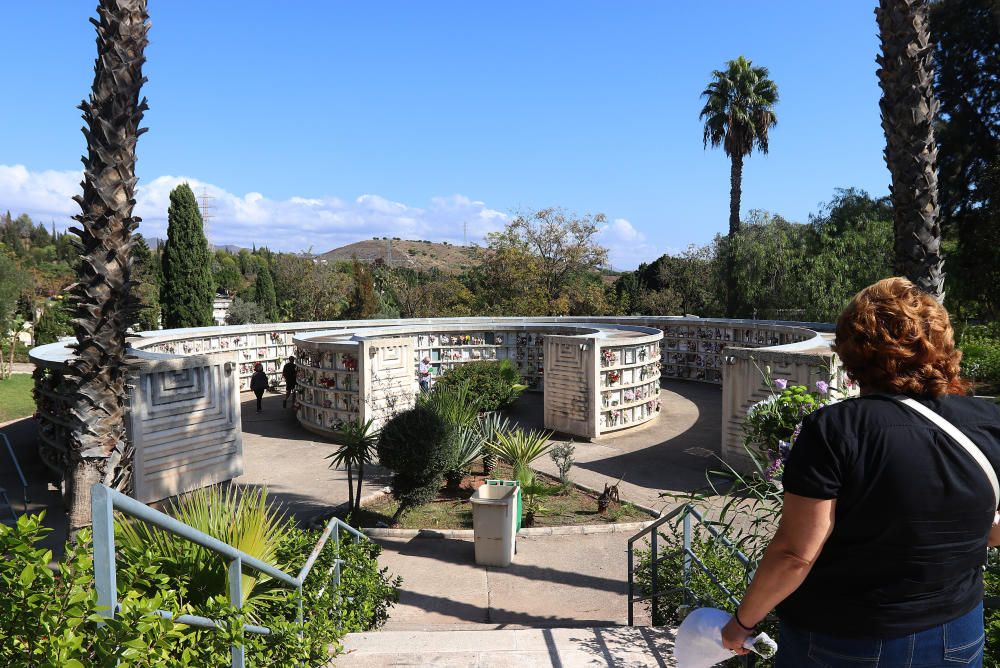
x=959 y=437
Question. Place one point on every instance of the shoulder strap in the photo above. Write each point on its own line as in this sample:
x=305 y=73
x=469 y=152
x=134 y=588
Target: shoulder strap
x=959 y=437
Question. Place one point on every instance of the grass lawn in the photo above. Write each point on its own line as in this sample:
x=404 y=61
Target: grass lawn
x=15 y=397
x=452 y=509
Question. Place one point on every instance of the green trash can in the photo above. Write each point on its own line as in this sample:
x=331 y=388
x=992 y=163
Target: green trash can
x=520 y=510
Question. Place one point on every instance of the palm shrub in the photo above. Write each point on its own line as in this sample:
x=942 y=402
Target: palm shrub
x=495 y=385
x=240 y=517
x=520 y=447
x=419 y=447
x=357 y=445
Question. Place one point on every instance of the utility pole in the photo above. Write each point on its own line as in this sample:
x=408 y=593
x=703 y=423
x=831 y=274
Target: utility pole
x=465 y=233
x=206 y=209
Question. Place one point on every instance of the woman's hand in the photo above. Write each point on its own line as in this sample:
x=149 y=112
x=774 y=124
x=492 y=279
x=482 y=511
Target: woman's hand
x=733 y=636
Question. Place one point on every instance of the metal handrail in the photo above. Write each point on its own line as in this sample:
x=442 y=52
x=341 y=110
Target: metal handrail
x=685 y=513
x=20 y=474
x=105 y=500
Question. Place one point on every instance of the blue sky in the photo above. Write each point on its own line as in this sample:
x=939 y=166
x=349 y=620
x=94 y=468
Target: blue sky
x=317 y=123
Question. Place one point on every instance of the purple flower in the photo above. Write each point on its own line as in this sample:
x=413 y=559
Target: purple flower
x=822 y=386
x=774 y=470
x=781 y=383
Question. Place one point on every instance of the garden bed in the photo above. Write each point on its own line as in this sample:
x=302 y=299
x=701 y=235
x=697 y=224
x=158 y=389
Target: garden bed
x=564 y=506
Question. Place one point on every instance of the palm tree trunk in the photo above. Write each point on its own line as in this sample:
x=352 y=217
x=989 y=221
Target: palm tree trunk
x=104 y=305
x=361 y=476
x=350 y=486
x=735 y=195
x=908 y=105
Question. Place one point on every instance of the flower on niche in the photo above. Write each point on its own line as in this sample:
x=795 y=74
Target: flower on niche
x=781 y=383
x=822 y=386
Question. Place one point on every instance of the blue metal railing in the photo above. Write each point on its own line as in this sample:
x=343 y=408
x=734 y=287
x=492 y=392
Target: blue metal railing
x=104 y=501
x=20 y=474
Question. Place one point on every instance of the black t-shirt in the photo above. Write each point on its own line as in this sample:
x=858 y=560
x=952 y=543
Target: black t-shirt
x=912 y=516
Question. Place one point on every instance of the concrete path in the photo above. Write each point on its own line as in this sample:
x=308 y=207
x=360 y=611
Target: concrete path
x=291 y=462
x=525 y=648
x=669 y=454
x=572 y=580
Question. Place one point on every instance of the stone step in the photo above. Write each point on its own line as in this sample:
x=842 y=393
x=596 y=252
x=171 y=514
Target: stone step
x=619 y=646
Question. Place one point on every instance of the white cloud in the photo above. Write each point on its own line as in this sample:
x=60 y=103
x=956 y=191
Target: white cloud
x=627 y=246
x=293 y=224
x=300 y=222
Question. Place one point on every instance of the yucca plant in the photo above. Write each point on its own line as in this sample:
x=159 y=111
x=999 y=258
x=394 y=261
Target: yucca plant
x=357 y=446
x=102 y=296
x=520 y=447
x=241 y=517
x=489 y=425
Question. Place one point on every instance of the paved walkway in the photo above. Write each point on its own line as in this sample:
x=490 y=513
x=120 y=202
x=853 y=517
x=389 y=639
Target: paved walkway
x=668 y=455
x=291 y=462
x=621 y=647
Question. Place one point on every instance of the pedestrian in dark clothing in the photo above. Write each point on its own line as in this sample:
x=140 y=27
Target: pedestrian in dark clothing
x=288 y=373
x=258 y=383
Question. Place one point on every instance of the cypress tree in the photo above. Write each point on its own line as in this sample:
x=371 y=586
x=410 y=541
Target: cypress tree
x=186 y=290
x=263 y=291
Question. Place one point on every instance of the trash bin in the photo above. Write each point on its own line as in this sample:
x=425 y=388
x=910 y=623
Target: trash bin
x=520 y=510
x=494 y=510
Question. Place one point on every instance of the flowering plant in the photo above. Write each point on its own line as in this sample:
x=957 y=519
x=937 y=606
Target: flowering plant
x=607 y=357
x=771 y=426
x=613 y=377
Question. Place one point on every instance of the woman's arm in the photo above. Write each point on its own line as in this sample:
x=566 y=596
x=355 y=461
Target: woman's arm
x=804 y=528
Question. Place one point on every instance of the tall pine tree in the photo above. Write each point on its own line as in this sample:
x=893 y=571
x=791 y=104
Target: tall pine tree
x=186 y=290
x=263 y=289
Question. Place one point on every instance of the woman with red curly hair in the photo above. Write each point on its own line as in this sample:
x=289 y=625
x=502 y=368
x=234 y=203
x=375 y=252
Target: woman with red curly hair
x=878 y=559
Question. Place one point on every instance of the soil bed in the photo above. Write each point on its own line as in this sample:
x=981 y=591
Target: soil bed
x=453 y=510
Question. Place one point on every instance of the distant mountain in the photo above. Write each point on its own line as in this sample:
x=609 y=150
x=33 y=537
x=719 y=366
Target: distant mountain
x=418 y=255
x=153 y=242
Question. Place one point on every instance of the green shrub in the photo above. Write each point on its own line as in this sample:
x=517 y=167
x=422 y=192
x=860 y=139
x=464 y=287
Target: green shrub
x=495 y=385
x=50 y=619
x=991 y=582
x=455 y=403
x=671 y=608
x=419 y=447
x=980 y=346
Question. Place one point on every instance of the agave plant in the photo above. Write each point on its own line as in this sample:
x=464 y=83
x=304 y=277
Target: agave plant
x=489 y=425
x=102 y=299
x=520 y=447
x=241 y=517
x=357 y=447
x=467 y=451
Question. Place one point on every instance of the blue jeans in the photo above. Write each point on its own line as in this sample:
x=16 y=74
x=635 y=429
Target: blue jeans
x=953 y=645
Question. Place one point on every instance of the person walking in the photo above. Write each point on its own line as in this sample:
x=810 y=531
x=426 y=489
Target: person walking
x=890 y=502
x=288 y=373
x=424 y=374
x=258 y=384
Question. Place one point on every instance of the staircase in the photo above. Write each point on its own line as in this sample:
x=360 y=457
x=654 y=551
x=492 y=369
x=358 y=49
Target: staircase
x=619 y=646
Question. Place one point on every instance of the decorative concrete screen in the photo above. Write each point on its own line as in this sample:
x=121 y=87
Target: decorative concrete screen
x=569 y=385
x=599 y=375
x=184 y=424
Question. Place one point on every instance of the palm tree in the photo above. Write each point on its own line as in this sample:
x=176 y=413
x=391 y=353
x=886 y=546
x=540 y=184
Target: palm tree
x=738 y=113
x=906 y=75
x=102 y=299
x=356 y=448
